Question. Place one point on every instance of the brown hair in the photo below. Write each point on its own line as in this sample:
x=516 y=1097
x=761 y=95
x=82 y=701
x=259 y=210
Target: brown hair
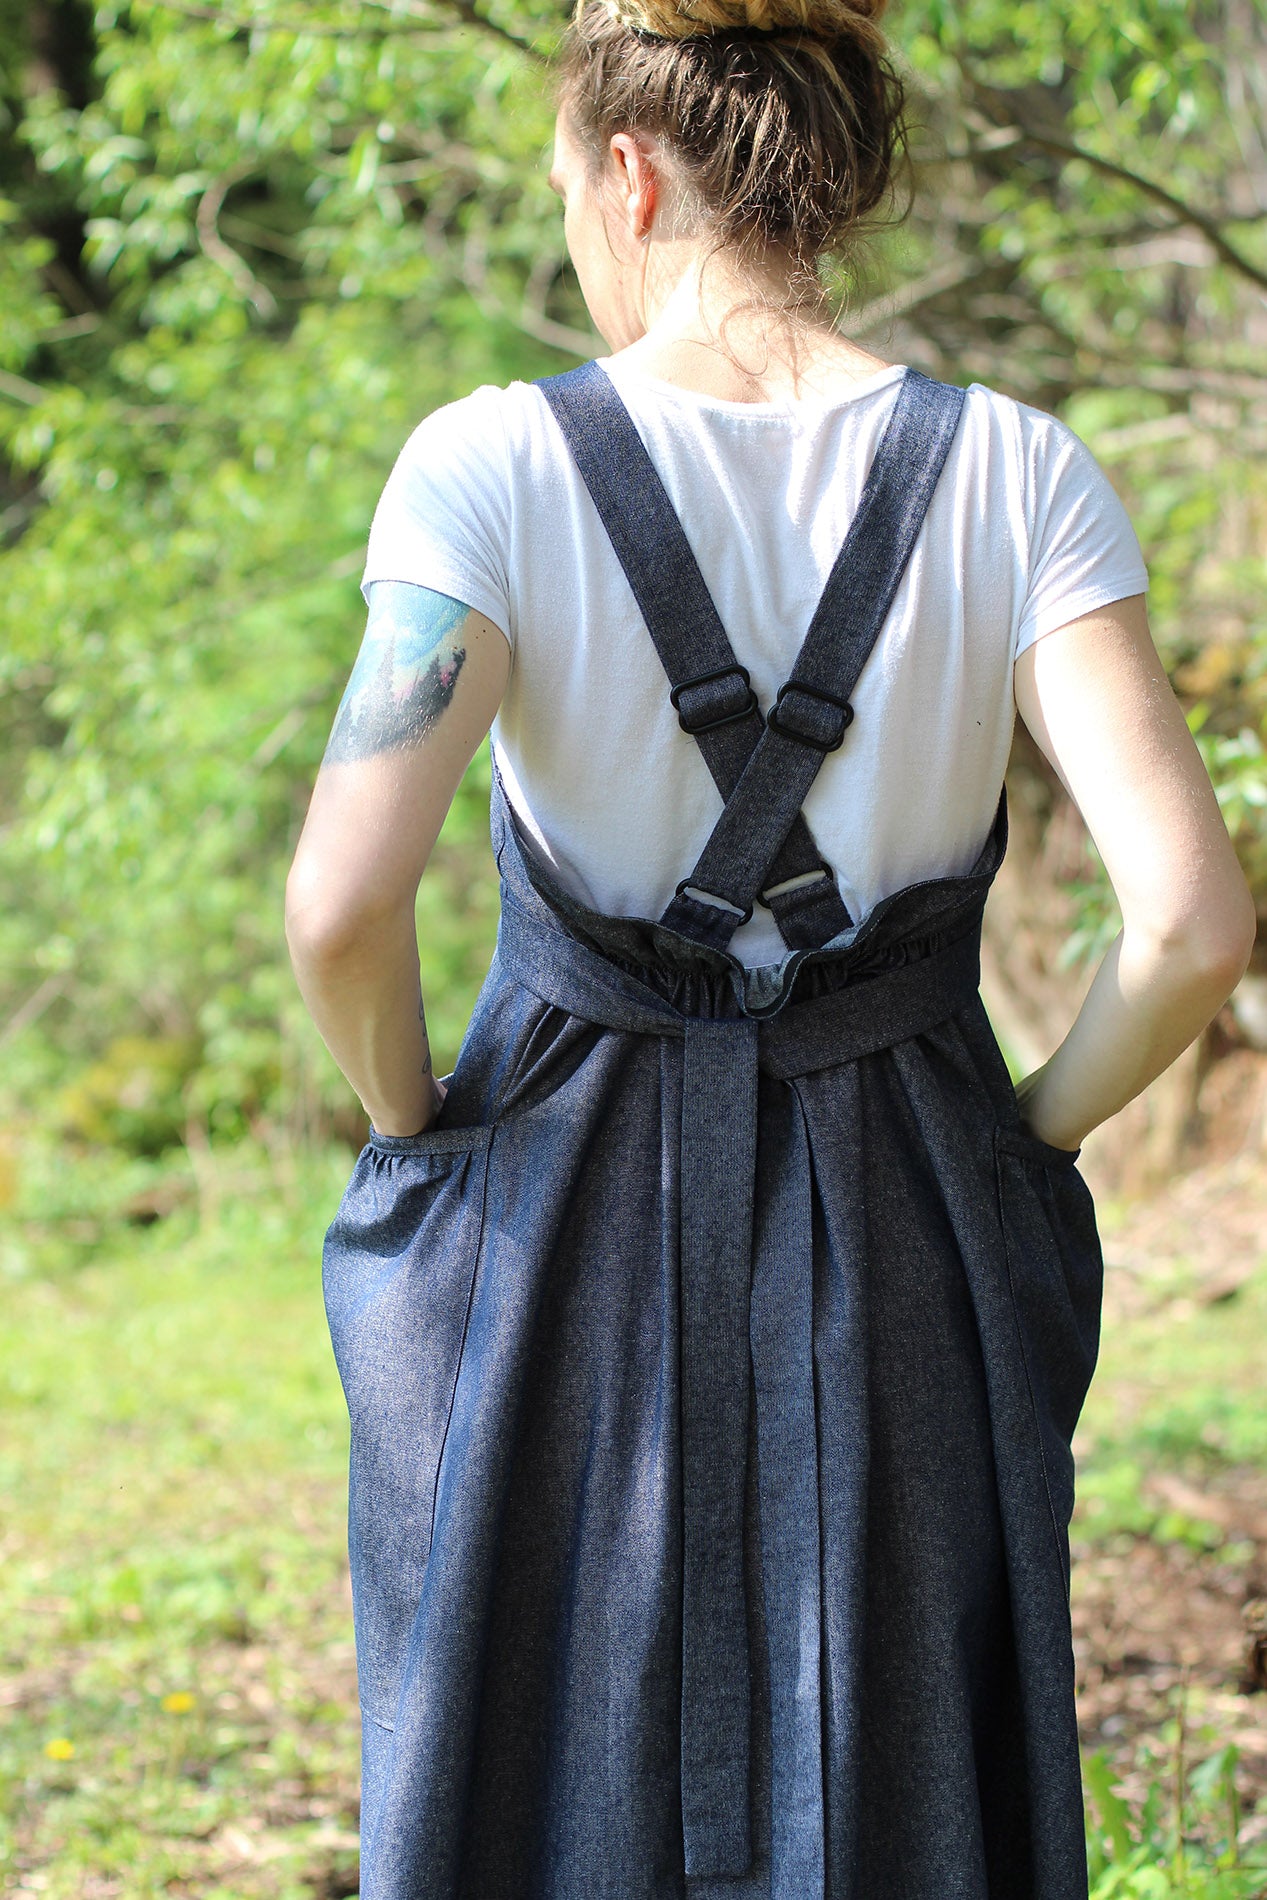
x=785 y=116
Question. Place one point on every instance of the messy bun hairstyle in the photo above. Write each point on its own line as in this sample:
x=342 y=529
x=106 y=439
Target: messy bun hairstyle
x=785 y=116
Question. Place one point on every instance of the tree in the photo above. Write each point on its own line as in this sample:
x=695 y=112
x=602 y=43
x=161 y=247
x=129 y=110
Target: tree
x=248 y=245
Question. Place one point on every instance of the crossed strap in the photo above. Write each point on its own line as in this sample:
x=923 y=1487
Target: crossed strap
x=761 y=849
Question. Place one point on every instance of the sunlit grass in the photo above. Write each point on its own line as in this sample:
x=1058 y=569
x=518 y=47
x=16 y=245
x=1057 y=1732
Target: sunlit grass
x=181 y=1712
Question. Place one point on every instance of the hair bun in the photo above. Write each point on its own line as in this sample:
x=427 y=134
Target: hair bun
x=692 y=19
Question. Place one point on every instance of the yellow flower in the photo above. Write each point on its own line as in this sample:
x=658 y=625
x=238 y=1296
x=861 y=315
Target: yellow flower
x=179 y=1702
x=61 y=1748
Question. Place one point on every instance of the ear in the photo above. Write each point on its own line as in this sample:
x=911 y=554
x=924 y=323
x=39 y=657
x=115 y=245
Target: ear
x=636 y=183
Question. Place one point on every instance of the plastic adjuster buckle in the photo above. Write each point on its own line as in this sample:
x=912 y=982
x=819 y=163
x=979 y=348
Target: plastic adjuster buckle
x=824 y=875
x=750 y=701
x=718 y=903
x=777 y=719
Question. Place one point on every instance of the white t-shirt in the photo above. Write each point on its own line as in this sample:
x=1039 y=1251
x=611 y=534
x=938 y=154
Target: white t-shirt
x=1024 y=534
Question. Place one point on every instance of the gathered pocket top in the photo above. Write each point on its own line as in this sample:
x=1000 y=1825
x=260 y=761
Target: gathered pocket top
x=433 y=1140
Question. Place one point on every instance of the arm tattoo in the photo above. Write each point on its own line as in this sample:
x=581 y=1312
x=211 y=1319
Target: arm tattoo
x=405 y=673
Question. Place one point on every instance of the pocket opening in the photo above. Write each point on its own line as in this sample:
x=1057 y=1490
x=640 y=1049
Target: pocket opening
x=432 y=1141
x=1016 y=1139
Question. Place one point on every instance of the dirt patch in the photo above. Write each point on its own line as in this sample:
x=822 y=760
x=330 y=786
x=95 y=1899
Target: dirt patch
x=1159 y=1631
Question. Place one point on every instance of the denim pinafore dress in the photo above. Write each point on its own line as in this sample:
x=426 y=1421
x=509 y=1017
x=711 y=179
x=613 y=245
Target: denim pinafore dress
x=712 y=1362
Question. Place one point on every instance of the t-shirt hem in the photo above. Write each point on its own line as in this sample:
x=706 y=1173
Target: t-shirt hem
x=1083 y=601
x=454 y=583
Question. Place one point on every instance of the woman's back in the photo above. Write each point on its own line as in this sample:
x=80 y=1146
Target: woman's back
x=1024 y=533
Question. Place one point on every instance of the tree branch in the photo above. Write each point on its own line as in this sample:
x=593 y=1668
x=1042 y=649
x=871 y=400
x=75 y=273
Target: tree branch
x=908 y=297
x=18 y=389
x=402 y=17
x=223 y=254
x=465 y=11
x=468 y=263
x=259 y=23
x=543 y=329
x=259 y=236
x=1184 y=213
x=35 y=1005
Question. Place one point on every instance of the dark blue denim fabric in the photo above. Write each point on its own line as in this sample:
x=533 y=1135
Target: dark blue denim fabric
x=711 y=1379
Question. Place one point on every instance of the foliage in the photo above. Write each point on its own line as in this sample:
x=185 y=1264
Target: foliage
x=1183 y=1840
x=246 y=246
x=1237 y=763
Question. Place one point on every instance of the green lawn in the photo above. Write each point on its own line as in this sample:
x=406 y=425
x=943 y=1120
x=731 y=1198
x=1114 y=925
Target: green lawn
x=179 y=1690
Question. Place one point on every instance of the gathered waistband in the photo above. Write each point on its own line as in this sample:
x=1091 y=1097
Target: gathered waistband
x=868 y=1013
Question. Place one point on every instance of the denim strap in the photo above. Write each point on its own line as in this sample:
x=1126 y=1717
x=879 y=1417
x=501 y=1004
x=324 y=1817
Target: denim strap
x=708 y=686
x=812 y=709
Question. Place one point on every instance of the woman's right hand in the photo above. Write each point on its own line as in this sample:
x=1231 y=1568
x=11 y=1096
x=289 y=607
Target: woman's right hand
x=1095 y=696
x=1035 y=1121
x=439 y=1090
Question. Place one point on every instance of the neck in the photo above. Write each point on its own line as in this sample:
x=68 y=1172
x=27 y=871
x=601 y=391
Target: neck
x=746 y=332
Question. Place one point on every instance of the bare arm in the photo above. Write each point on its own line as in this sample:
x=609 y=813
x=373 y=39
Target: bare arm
x=426 y=685
x=1096 y=698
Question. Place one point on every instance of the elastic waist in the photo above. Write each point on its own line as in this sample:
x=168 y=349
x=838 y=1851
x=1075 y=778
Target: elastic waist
x=866 y=1015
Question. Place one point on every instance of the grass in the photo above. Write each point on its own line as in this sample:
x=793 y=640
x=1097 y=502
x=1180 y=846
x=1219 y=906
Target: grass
x=1184 y=1377
x=181 y=1708
x=1175 y=1426
x=1179 y=1388
x=179 y=1693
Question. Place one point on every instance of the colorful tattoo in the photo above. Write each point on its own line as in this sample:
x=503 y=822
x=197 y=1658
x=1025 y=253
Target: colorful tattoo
x=405 y=673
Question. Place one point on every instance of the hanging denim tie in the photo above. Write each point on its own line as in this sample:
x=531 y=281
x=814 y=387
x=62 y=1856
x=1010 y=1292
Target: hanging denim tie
x=719 y=1144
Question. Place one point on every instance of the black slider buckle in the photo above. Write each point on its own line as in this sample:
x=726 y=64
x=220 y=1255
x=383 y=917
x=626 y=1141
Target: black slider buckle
x=749 y=704
x=778 y=720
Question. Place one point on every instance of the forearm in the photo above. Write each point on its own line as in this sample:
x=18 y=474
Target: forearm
x=363 y=993
x=1147 y=1003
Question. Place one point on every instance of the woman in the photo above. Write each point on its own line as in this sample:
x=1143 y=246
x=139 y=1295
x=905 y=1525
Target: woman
x=713 y=1342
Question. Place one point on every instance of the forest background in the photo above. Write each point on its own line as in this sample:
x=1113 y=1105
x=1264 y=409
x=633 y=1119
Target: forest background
x=243 y=249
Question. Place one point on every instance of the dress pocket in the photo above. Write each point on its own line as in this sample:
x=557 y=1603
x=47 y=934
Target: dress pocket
x=1056 y=1273
x=398 y=1271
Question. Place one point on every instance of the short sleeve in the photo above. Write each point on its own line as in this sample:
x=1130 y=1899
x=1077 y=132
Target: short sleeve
x=1083 y=551
x=443 y=518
